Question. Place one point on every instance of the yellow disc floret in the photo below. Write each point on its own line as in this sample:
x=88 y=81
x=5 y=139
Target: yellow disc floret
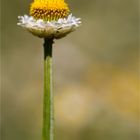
x=49 y=9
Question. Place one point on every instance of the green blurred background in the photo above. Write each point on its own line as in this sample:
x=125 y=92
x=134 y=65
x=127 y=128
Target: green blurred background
x=95 y=72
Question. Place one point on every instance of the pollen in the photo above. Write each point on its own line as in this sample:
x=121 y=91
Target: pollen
x=49 y=9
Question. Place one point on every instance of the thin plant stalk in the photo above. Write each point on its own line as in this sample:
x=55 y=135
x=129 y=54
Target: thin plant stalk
x=48 y=115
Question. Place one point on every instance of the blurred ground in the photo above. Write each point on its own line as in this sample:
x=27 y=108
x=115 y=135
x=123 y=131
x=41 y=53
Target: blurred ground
x=95 y=72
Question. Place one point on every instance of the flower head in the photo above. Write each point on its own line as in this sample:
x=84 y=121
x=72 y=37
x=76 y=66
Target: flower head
x=49 y=19
x=49 y=9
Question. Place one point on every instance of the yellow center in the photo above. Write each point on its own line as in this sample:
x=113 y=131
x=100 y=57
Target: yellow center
x=49 y=9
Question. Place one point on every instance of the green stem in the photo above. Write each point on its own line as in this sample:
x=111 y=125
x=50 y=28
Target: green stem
x=48 y=116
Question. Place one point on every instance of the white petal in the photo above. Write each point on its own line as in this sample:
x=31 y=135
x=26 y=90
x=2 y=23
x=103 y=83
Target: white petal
x=46 y=29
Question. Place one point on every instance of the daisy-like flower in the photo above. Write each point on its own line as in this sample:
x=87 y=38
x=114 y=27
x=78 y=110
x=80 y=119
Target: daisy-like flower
x=49 y=19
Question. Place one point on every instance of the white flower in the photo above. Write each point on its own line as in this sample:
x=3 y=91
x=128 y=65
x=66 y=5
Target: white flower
x=49 y=29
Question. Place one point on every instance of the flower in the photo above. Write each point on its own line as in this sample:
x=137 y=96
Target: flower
x=49 y=9
x=49 y=19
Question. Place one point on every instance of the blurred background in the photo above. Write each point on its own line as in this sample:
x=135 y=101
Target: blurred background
x=95 y=72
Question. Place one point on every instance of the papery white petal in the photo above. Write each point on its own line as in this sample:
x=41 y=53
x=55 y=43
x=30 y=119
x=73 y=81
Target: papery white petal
x=47 y=29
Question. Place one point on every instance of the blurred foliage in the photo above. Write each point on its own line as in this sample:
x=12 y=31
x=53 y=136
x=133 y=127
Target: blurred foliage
x=95 y=74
